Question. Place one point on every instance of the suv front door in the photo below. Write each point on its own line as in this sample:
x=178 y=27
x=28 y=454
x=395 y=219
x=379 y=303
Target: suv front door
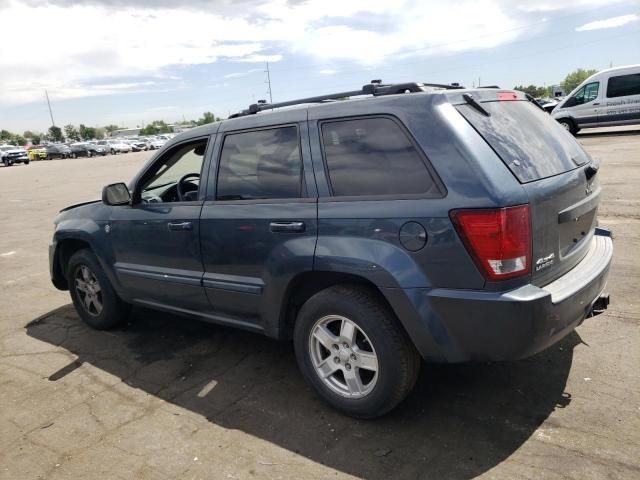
x=259 y=221
x=156 y=241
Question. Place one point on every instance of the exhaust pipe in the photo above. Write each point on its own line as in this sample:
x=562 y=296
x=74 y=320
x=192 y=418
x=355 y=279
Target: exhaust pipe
x=600 y=305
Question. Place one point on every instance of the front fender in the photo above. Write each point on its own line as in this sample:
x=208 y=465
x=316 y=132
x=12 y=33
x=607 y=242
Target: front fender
x=88 y=231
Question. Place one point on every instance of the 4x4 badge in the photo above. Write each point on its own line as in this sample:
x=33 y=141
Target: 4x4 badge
x=544 y=262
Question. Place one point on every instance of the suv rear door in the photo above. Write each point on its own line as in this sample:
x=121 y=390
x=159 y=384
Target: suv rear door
x=559 y=177
x=259 y=221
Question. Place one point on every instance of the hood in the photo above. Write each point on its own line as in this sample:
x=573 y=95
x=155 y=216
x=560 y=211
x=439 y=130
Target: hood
x=71 y=207
x=14 y=150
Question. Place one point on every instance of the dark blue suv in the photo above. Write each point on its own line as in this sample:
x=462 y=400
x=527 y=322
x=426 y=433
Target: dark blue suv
x=453 y=225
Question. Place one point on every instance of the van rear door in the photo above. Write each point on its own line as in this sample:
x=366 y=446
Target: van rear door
x=557 y=174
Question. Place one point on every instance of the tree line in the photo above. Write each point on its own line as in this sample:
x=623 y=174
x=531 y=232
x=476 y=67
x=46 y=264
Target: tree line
x=571 y=81
x=82 y=132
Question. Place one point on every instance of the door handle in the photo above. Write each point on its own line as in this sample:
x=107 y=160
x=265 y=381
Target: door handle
x=287 y=227
x=597 y=103
x=180 y=226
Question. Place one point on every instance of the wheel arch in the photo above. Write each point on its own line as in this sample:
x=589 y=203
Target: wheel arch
x=306 y=284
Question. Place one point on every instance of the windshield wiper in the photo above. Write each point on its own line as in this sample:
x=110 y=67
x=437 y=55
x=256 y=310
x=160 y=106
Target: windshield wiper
x=475 y=104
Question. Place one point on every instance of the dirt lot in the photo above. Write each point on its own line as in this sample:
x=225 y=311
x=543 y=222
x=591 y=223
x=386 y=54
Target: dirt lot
x=167 y=397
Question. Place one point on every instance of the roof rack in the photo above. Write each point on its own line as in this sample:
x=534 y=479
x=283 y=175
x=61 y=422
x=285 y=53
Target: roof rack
x=375 y=88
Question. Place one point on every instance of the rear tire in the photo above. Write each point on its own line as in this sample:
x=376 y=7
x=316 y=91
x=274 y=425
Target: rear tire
x=6 y=162
x=93 y=297
x=569 y=125
x=379 y=354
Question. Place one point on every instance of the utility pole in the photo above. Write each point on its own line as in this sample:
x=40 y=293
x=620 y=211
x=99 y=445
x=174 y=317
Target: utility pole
x=49 y=104
x=268 y=82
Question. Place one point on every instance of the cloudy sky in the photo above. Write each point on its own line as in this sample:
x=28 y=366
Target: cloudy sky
x=132 y=61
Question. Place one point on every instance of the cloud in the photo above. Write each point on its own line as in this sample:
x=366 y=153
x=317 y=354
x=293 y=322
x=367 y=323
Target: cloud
x=612 y=22
x=101 y=47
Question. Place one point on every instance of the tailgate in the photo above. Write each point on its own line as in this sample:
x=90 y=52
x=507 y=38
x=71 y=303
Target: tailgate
x=558 y=175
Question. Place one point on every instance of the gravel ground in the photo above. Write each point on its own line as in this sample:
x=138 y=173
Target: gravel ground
x=168 y=397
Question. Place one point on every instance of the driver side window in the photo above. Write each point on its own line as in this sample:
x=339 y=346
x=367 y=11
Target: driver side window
x=176 y=175
x=587 y=93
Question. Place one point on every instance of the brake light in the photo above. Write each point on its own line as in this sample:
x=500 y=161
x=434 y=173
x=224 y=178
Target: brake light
x=499 y=240
x=507 y=96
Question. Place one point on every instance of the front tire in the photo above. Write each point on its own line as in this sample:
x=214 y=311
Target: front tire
x=351 y=349
x=569 y=125
x=93 y=297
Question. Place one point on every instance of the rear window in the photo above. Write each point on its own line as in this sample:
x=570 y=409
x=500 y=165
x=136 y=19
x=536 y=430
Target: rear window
x=373 y=156
x=531 y=143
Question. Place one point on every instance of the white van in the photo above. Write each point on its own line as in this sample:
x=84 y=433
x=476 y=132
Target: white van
x=608 y=98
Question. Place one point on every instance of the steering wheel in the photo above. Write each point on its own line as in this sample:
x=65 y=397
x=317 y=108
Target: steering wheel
x=180 y=185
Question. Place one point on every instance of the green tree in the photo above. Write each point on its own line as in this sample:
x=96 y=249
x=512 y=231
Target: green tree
x=111 y=128
x=36 y=138
x=155 y=127
x=6 y=136
x=99 y=133
x=575 y=78
x=207 y=117
x=86 y=133
x=533 y=90
x=71 y=133
x=55 y=134
x=19 y=140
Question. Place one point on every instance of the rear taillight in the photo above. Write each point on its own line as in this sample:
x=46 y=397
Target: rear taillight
x=499 y=239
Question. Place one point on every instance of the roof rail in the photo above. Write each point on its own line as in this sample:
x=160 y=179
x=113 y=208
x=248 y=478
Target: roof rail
x=375 y=88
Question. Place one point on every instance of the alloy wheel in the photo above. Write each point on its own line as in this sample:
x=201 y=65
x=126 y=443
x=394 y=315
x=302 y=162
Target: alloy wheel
x=343 y=356
x=89 y=290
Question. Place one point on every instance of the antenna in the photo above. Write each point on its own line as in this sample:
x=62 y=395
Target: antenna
x=268 y=82
x=49 y=104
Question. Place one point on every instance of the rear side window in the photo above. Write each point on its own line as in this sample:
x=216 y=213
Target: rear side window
x=624 y=85
x=373 y=156
x=529 y=141
x=260 y=164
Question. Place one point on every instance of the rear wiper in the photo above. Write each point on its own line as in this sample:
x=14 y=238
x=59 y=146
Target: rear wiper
x=475 y=104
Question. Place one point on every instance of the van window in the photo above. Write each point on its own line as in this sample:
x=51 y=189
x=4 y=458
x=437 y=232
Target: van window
x=373 y=156
x=260 y=164
x=624 y=85
x=529 y=141
x=587 y=94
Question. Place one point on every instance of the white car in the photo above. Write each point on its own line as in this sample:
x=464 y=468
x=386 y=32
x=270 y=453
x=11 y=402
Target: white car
x=156 y=143
x=10 y=154
x=115 y=146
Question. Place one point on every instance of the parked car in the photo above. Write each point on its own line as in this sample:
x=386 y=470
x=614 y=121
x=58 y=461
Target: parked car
x=457 y=225
x=548 y=103
x=138 y=145
x=607 y=99
x=84 y=149
x=57 y=150
x=115 y=146
x=155 y=143
x=37 y=152
x=10 y=154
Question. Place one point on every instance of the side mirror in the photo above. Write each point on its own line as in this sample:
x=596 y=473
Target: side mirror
x=571 y=102
x=116 y=194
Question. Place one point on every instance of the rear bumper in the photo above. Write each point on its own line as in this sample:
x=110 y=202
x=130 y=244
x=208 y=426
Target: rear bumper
x=463 y=325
